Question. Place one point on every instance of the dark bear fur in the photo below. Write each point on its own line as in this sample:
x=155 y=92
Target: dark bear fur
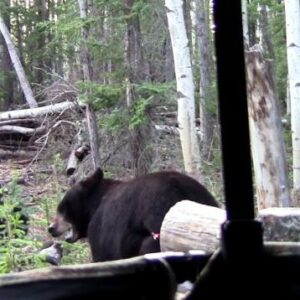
x=120 y=218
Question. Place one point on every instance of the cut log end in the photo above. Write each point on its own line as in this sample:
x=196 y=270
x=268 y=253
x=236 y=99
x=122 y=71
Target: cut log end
x=191 y=226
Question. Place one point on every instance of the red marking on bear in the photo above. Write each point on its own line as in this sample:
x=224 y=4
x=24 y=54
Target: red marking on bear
x=155 y=235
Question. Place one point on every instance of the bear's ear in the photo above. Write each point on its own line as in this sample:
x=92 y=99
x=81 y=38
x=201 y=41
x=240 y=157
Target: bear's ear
x=94 y=179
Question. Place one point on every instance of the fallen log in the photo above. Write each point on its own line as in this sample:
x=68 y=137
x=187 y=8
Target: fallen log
x=22 y=130
x=20 y=122
x=167 y=129
x=19 y=147
x=281 y=223
x=5 y=154
x=14 y=143
x=191 y=226
x=39 y=111
x=170 y=129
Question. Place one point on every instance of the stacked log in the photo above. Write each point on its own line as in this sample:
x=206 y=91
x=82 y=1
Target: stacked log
x=21 y=129
x=193 y=226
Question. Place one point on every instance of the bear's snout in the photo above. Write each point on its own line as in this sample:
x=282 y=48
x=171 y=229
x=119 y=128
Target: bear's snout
x=53 y=230
x=59 y=226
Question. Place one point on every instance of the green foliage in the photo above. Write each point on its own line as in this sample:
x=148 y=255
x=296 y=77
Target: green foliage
x=138 y=112
x=149 y=89
x=76 y=253
x=19 y=251
x=148 y=95
x=58 y=162
x=120 y=117
x=13 y=257
x=15 y=247
x=277 y=28
x=116 y=121
x=99 y=95
x=142 y=7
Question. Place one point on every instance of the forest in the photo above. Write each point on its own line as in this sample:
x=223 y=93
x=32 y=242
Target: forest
x=130 y=86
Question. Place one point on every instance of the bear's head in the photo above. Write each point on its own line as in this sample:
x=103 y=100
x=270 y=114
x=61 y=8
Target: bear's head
x=76 y=208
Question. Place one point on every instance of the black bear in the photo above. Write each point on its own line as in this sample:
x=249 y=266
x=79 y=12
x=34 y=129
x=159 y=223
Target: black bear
x=122 y=219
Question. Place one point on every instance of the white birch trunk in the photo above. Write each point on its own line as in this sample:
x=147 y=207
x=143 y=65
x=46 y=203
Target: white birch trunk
x=267 y=144
x=292 y=13
x=18 y=66
x=185 y=85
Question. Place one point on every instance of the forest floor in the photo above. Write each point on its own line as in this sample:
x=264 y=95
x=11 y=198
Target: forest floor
x=37 y=188
x=33 y=188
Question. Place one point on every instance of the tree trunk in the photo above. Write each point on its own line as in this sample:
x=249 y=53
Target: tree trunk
x=205 y=51
x=140 y=135
x=169 y=74
x=186 y=5
x=6 y=80
x=86 y=70
x=191 y=226
x=292 y=13
x=93 y=136
x=266 y=42
x=185 y=85
x=252 y=25
x=17 y=65
x=38 y=62
x=19 y=34
x=267 y=144
x=245 y=23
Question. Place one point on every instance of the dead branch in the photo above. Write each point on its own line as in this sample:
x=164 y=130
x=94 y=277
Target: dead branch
x=46 y=137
